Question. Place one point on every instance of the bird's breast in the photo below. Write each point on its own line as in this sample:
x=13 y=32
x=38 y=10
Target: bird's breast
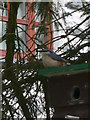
x=49 y=62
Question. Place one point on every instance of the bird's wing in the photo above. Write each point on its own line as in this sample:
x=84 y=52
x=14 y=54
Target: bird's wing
x=54 y=56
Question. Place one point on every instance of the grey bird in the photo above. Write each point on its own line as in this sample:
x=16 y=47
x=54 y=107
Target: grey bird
x=51 y=59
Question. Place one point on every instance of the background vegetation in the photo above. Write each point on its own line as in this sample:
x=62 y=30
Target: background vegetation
x=24 y=93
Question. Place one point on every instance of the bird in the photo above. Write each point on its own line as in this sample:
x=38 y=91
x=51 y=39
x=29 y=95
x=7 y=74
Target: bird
x=51 y=59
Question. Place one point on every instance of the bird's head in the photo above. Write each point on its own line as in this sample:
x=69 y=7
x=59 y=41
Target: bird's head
x=44 y=51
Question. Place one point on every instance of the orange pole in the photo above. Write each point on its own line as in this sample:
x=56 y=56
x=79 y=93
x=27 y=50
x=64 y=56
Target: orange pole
x=31 y=32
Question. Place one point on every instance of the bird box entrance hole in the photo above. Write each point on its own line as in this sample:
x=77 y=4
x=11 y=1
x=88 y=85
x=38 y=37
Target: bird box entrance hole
x=75 y=93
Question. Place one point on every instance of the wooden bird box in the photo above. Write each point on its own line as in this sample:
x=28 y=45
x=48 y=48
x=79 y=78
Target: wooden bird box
x=69 y=90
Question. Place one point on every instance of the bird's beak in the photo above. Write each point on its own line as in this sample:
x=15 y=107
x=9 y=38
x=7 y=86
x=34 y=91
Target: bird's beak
x=42 y=50
x=68 y=64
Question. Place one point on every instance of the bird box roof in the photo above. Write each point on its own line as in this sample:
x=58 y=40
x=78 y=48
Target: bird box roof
x=66 y=70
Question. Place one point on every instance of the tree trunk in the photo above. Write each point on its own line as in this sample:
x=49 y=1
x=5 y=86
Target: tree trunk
x=9 y=72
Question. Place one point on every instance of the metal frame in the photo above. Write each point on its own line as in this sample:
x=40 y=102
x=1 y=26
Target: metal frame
x=31 y=32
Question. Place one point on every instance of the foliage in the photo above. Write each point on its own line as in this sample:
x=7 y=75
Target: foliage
x=25 y=94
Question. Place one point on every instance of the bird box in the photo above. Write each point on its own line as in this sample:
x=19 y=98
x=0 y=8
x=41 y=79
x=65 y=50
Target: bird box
x=68 y=90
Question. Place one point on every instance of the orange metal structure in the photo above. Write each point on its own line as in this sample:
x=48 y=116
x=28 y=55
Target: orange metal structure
x=30 y=31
